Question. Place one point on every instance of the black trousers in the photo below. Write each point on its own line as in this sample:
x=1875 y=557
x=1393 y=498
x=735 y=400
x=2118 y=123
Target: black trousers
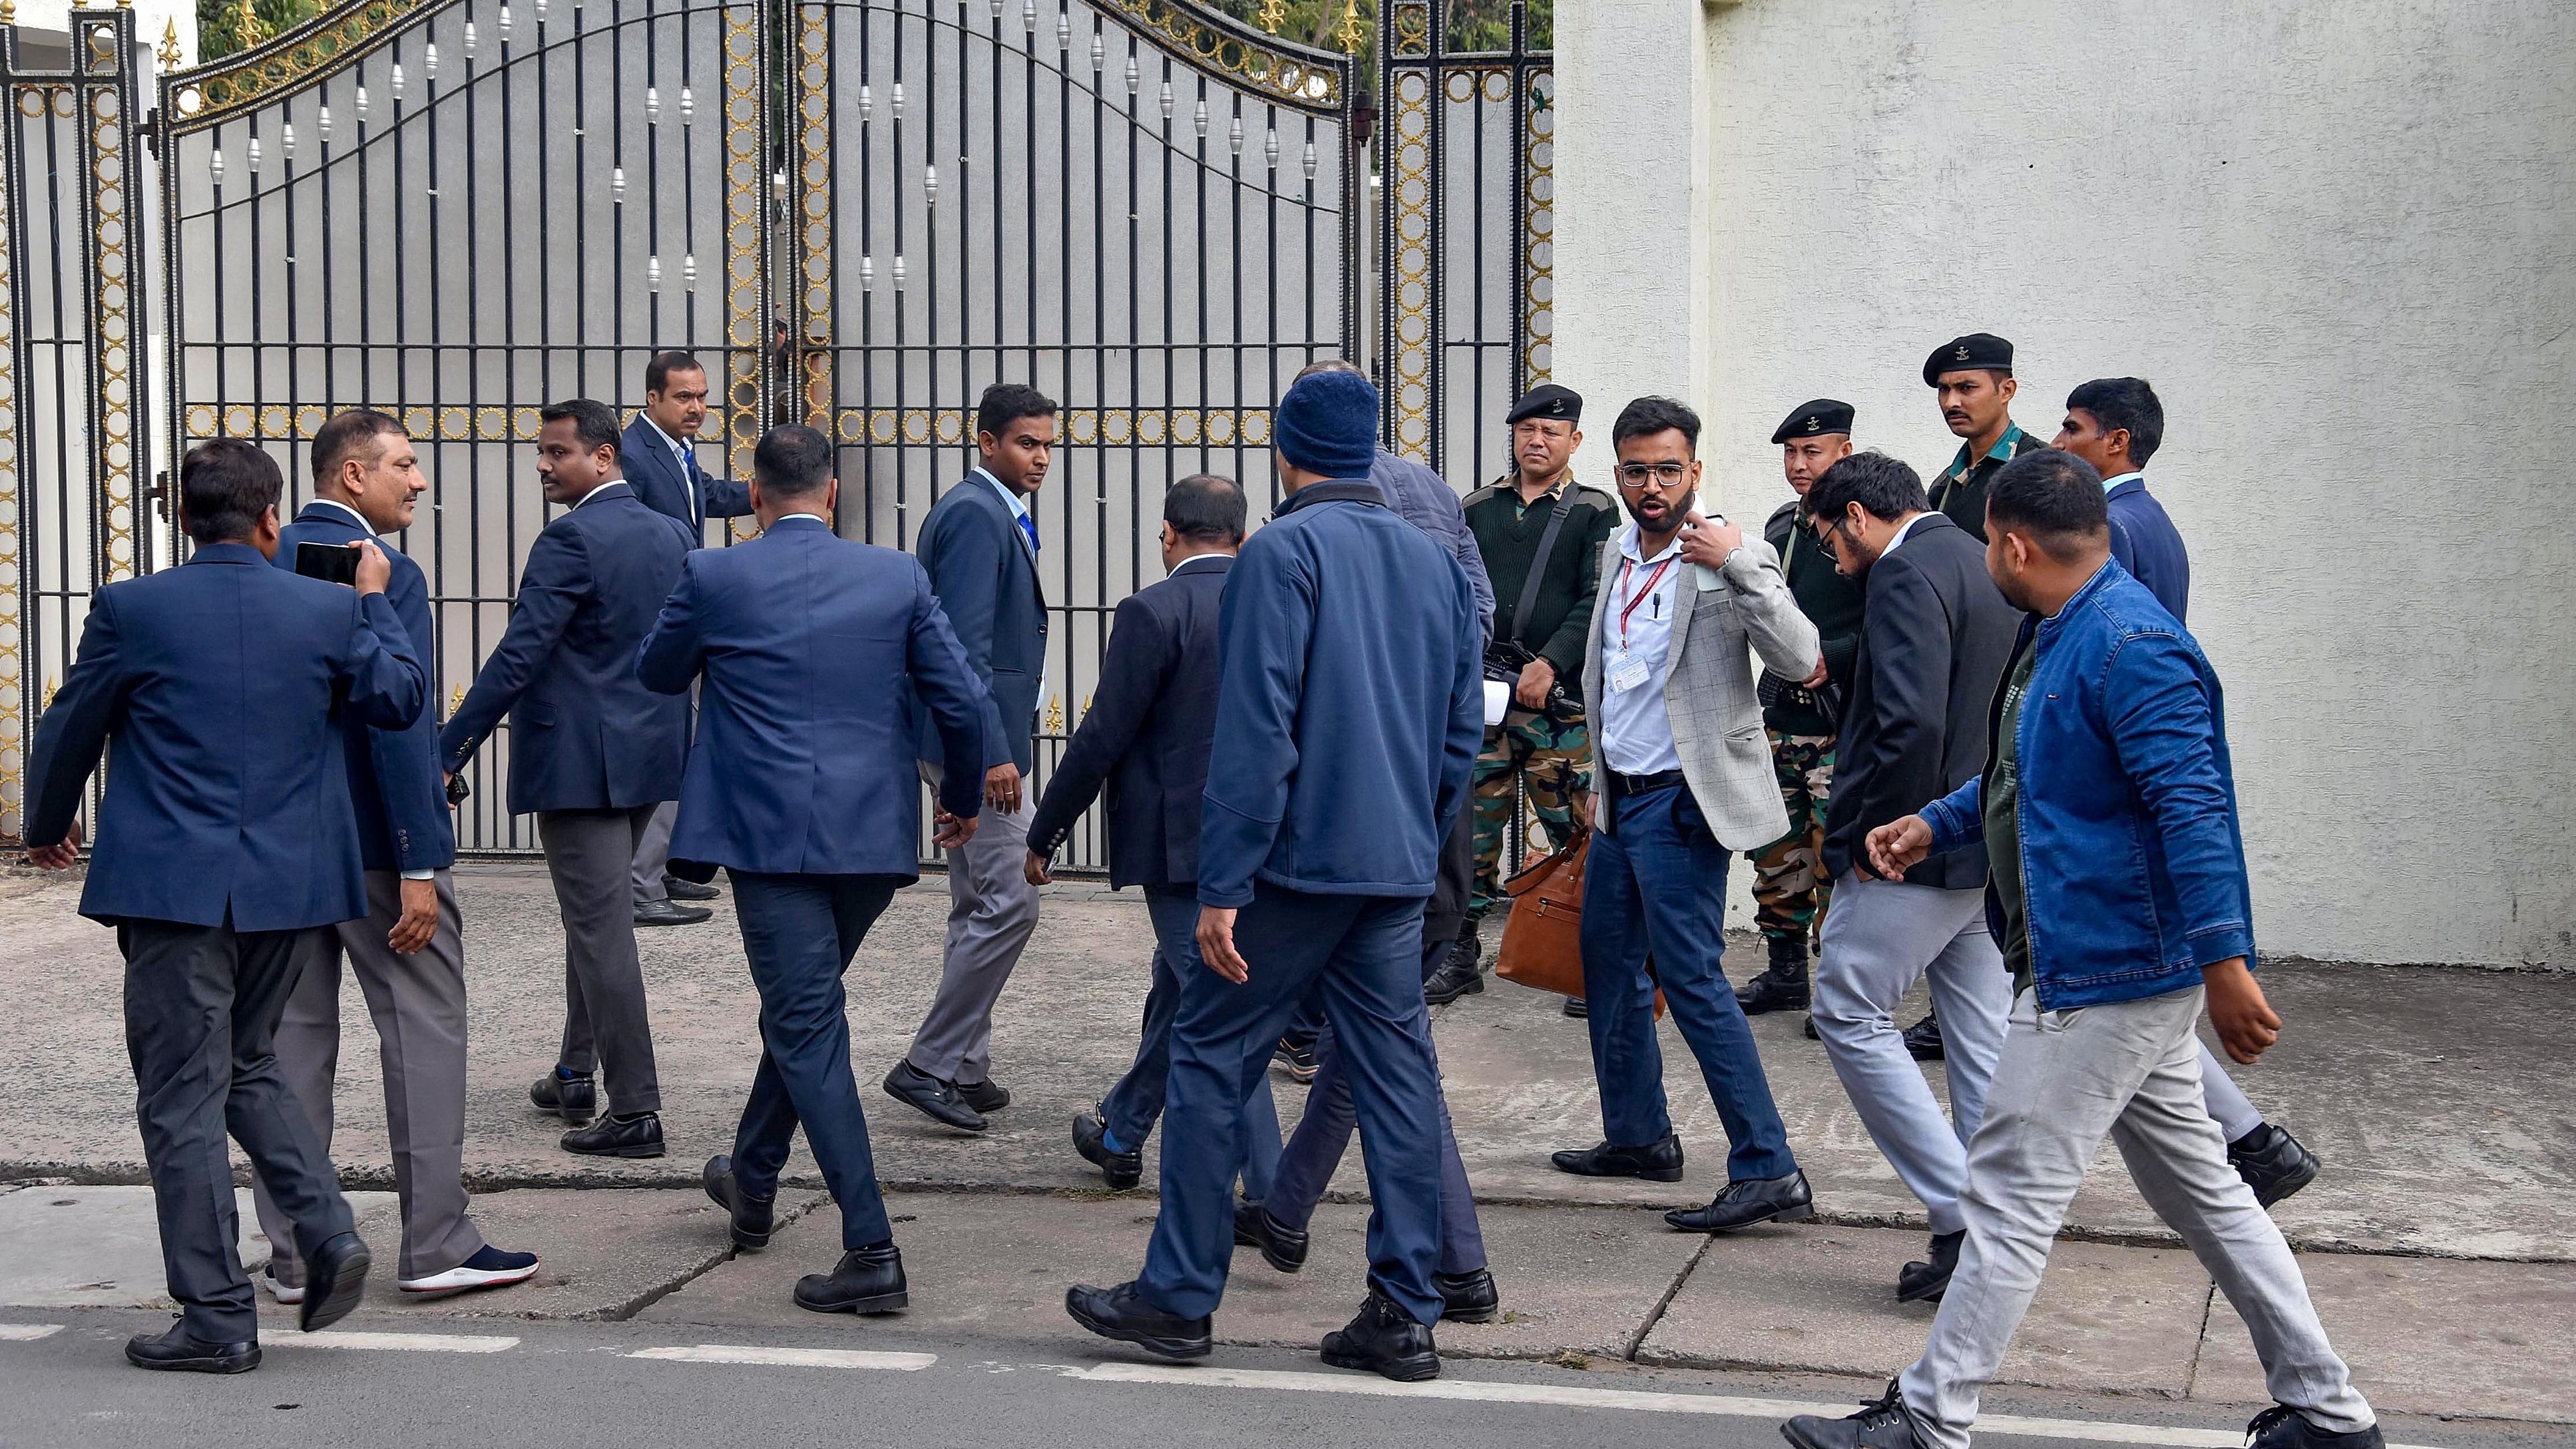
x=201 y=1010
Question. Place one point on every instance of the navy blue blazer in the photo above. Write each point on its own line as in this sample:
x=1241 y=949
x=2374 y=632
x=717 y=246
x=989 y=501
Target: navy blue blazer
x=213 y=690
x=2148 y=545
x=653 y=471
x=814 y=650
x=403 y=819
x=1147 y=732
x=584 y=734
x=986 y=577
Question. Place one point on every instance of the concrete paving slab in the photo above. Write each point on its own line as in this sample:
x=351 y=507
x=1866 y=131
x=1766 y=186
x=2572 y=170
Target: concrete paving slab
x=100 y=1247
x=2425 y=1336
x=1823 y=1299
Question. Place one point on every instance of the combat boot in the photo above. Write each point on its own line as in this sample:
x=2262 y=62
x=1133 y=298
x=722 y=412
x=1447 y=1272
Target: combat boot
x=1783 y=987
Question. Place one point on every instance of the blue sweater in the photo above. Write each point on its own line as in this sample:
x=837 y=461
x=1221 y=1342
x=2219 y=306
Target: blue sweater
x=1349 y=639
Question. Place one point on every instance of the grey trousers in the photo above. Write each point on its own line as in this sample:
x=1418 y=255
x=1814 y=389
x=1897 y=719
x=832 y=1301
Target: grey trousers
x=591 y=854
x=2235 y=1112
x=992 y=908
x=653 y=853
x=201 y=1010
x=1879 y=938
x=418 y=1005
x=2066 y=1079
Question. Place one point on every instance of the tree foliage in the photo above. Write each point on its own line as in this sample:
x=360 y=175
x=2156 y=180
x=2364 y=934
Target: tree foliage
x=219 y=23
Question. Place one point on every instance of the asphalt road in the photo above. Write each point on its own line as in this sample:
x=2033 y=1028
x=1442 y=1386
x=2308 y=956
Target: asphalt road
x=64 y=1382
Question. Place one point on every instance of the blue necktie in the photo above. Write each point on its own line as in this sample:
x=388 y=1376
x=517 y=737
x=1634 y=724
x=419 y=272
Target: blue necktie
x=1029 y=526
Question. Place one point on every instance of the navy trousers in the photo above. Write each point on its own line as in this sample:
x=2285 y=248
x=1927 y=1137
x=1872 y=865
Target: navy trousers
x=1656 y=881
x=1136 y=1103
x=1366 y=951
x=1324 y=1134
x=800 y=932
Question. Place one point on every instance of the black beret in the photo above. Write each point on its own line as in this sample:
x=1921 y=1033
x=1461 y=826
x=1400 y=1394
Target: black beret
x=1959 y=354
x=1814 y=420
x=1547 y=400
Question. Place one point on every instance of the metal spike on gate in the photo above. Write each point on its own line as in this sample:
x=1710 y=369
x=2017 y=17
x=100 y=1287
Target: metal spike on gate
x=1029 y=15
x=505 y=25
x=429 y=62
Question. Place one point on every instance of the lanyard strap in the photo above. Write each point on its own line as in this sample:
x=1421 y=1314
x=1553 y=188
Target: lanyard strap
x=1627 y=566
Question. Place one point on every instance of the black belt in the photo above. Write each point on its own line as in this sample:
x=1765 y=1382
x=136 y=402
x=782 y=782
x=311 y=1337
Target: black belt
x=1625 y=785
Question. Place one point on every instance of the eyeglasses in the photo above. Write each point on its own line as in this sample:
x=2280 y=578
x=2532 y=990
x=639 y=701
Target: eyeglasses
x=1661 y=475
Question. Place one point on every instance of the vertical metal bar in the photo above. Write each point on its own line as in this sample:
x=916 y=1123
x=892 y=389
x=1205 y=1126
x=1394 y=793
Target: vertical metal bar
x=19 y=523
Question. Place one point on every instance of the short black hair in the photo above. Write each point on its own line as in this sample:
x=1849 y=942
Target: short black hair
x=792 y=461
x=224 y=488
x=2124 y=402
x=592 y=422
x=1005 y=403
x=657 y=372
x=1888 y=487
x=342 y=435
x=2053 y=496
x=1648 y=416
x=1205 y=508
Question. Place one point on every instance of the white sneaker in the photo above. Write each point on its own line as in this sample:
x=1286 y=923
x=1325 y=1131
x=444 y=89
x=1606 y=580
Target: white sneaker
x=288 y=1293
x=490 y=1267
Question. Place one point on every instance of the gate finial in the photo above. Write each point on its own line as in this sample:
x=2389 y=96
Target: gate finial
x=1353 y=32
x=247 y=28
x=169 y=51
x=1273 y=12
x=8 y=12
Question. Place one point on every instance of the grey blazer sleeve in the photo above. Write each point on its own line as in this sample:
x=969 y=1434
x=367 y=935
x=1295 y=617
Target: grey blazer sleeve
x=1782 y=636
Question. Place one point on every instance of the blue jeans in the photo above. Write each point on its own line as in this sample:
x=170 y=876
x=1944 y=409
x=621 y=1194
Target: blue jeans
x=799 y=932
x=1133 y=1105
x=1324 y=1134
x=1367 y=952
x=1656 y=882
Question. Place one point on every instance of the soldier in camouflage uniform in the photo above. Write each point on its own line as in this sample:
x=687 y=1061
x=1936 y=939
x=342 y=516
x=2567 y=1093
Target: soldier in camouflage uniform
x=1542 y=607
x=1789 y=884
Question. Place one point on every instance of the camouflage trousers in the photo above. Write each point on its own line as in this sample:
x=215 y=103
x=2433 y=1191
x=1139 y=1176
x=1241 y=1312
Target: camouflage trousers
x=1789 y=885
x=1551 y=755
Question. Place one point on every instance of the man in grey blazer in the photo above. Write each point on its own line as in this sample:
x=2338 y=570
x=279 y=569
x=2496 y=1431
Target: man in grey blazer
x=1682 y=782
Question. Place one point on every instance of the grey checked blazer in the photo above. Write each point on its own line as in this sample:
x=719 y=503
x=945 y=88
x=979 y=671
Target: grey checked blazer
x=1709 y=686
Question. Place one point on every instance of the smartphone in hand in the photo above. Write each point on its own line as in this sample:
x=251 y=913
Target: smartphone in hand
x=331 y=562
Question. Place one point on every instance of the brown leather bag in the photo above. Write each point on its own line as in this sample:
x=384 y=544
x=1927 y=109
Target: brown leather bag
x=1543 y=939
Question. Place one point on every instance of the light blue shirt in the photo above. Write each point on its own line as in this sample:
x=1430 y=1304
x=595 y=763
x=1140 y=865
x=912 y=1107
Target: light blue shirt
x=1636 y=733
x=2110 y=483
x=685 y=455
x=1019 y=506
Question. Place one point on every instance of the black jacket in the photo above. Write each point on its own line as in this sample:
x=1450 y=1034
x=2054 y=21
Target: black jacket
x=1830 y=601
x=1147 y=732
x=1932 y=650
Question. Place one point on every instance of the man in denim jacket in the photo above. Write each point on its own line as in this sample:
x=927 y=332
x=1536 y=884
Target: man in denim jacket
x=2118 y=892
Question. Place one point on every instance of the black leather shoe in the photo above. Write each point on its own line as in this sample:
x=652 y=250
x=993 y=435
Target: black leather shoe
x=936 y=1099
x=176 y=1352
x=866 y=1280
x=1118 y=1313
x=670 y=913
x=688 y=890
x=1751 y=1200
x=751 y=1218
x=636 y=1136
x=1282 y=1247
x=1468 y=1297
x=1886 y=1424
x=2272 y=1162
x=335 y=1278
x=574 y=1099
x=1384 y=1340
x=1576 y=1007
x=1121 y=1170
x=1782 y=986
x=1923 y=1039
x=1810 y=1030
x=1461 y=973
x=984 y=1096
x=1926 y=1282
x=2282 y=1427
x=1655 y=1162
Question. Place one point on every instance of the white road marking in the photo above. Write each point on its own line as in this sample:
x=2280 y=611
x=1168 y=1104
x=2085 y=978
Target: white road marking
x=839 y=1358
x=1575 y=1397
x=27 y=1332
x=412 y=1342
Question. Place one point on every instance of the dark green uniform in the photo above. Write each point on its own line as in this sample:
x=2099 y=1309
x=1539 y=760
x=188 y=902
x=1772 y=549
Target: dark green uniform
x=1789 y=888
x=1960 y=491
x=1547 y=750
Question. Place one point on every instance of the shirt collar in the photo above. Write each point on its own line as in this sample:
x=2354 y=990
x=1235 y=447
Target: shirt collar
x=674 y=444
x=1901 y=534
x=355 y=516
x=808 y=517
x=595 y=492
x=1019 y=505
x=1216 y=563
x=2110 y=483
x=2001 y=452
x=1628 y=545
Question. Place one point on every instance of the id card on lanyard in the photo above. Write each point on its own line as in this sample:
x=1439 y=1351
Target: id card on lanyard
x=1627 y=671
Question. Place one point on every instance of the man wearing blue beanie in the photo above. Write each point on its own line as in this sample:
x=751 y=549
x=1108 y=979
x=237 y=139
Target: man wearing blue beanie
x=1349 y=638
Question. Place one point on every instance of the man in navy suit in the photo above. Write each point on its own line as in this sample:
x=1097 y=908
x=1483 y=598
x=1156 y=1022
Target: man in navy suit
x=1146 y=736
x=226 y=838
x=980 y=548
x=2116 y=424
x=592 y=752
x=661 y=461
x=811 y=648
x=409 y=949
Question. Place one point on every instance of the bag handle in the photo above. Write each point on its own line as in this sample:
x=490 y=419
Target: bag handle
x=1538 y=565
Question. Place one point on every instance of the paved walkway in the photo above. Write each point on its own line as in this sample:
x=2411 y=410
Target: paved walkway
x=2442 y=1238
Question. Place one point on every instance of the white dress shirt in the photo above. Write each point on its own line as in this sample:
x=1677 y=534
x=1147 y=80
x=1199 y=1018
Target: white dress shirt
x=1636 y=734
x=1901 y=531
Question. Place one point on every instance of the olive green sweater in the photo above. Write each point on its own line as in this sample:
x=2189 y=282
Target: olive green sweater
x=1507 y=534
